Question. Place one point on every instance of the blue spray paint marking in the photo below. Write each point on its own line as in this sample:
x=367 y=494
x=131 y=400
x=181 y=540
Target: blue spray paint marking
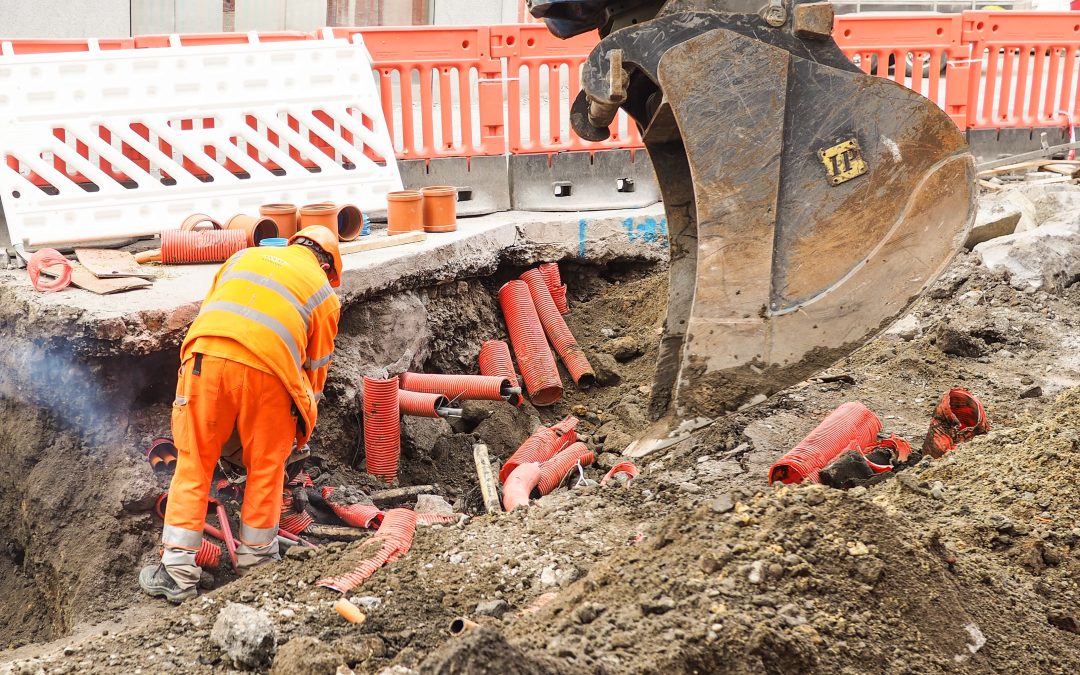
x=649 y=230
x=581 y=238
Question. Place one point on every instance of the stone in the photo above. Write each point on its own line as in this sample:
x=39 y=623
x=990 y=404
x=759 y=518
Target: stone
x=606 y=368
x=494 y=608
x=625 y=348
x=606 y=460
x=588 y=612
x=433 y=504
x=723 y=503
x=617 y=441
x=244 y=635
x=907 y=328
x=1046 y=257
x=420 y=434
x=306 y=655
x=957 y=342
x=1032 y=392
x=998 y=215
x=661 y=605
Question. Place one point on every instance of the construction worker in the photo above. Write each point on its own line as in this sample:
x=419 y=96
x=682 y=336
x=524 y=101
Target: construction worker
x=254 y=362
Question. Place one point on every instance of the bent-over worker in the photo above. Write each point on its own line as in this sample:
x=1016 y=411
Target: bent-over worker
x=254 y=362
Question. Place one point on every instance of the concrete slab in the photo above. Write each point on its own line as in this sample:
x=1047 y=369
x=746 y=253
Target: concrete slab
x=146 y=321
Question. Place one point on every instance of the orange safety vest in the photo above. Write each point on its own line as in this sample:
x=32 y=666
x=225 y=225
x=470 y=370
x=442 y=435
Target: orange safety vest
x=277 y=303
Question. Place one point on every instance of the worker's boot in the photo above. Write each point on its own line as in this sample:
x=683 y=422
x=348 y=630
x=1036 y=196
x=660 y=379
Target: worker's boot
x=156 y=582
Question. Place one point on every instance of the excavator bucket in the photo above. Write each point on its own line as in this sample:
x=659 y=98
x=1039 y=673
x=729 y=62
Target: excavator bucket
x=808 y=203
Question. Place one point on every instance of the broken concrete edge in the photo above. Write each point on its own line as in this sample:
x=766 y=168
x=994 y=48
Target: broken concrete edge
x=155 y=319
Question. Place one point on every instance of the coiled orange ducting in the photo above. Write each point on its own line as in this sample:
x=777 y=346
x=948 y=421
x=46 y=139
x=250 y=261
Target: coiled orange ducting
x=356 y=515
x=850 y=422
x=296 y=523
x=531 y=349
x=458 y=387
x=208 y=555
x=555 y=286
x=48 y=257
x=555 y=469
x=958 y=417
x=396 y=536
x=495 y=361
x=519 y=485
x=200 y=246
x=573 y=357
x=421 y=404
x=382 y=428
x=541 y=445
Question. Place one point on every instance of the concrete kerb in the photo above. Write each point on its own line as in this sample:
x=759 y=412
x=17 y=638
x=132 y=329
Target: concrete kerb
x=147 y=321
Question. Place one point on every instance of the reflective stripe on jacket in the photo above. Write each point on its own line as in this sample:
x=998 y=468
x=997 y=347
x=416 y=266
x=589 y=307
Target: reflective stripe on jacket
x=278 y=304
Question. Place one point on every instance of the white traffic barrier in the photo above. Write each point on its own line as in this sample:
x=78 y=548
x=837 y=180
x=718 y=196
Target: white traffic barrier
x=102 y=145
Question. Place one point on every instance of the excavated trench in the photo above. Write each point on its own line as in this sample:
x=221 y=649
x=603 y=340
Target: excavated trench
x=76 y=494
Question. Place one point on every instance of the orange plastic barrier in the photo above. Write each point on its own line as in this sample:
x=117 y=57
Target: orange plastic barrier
x=54 y=45
x=211 y=39
x=1023 y=71
x=453 y=104
x=543 y=78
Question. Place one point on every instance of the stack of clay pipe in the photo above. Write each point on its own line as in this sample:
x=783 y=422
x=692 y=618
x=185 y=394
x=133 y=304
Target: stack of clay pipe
x=202 y=239
x=430 y=209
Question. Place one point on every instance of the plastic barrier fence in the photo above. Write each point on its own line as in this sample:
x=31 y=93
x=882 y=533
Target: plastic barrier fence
x=79 y=126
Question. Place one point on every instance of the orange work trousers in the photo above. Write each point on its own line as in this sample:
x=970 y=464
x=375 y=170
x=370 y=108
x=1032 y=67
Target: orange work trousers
x=221 y=396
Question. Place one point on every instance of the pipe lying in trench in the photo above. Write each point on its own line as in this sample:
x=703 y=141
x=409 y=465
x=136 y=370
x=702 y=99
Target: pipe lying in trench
x=534 y=357
x=625 y=469
x=396 y=536
x=495 y=361
x=958 y=417
x=382 y=428
x=421 y=404
x=851 y=422
x=573 y=357
x=460 y=387
x=553 y=279
x=297 y=522
x=355 y=515
x=519 y=485
x=553 y=471
x=542 y=445
x=461 y=625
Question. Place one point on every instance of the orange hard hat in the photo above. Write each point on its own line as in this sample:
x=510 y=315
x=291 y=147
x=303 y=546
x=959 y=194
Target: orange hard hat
x=327 y=241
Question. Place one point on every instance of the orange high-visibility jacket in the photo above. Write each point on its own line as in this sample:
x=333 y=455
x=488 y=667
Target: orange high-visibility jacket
x=277 y=303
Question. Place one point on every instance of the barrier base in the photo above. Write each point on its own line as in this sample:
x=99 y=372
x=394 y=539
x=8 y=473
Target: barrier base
x=991 y=144
x=583 y=181
x=483 y=183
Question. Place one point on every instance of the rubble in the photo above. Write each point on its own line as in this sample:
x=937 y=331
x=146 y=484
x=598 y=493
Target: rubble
x=244 y=635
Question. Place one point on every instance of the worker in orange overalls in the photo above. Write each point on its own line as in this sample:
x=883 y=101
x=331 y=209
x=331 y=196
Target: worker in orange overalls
x=254 y=362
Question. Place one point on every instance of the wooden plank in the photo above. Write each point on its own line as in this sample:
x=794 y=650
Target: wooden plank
x=109 y=263
x=1019 y=166
x=82 y=278
x=1070 y=169
x=373 y=241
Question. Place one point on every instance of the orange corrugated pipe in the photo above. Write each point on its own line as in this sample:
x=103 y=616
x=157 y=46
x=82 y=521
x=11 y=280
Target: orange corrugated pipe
x=519 y=485
x=531 y=349
x=356 y=515
x=495 y=361
x=541 y=445
x=555 y=469
x=200 y=246
x=421 y=404
x=555 y=286
x=395 y=534
x=851 y=423
x=208 y=555
x=48 y=257
x=573 y=357
x=626 y=468
x=459 y=387
x=382 y=427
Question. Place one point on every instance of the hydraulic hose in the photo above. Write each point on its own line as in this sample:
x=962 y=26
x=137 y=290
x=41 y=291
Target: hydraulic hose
x=48 y=257
x=555 y=286
x=495 y=361
x=200 y=246
x=459 y=387
x=421 y=404
x=530 y=344
x=519 y=485
x=850 y=422
x=382 y=428
x=395 y=535
x=555 y=469
x=573 y=357
x=541 y=446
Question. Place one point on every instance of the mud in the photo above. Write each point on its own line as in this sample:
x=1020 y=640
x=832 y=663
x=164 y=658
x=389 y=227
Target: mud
x=961 y=565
